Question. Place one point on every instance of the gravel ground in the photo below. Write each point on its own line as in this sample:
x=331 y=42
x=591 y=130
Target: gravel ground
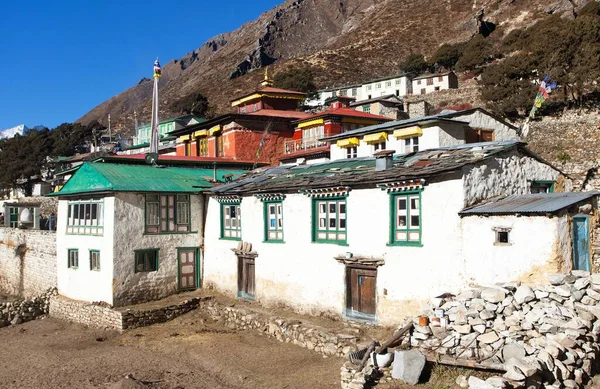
x=188 y=352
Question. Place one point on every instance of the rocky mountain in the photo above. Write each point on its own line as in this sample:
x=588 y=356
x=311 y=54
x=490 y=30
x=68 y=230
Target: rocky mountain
x=342 y=41
x=21 y=129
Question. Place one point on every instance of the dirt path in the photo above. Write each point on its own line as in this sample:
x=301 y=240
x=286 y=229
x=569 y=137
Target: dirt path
x=189 y=352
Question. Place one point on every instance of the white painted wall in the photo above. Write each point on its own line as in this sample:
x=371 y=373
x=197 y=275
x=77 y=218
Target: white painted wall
x=129 y=236
x=418 y=85
x=369 y=88
x=83 y=283
x=510 y=174
x=478 y=119
x=533 y=252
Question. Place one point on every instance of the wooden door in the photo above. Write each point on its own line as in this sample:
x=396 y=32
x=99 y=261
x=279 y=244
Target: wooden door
x=581 y=244
x=361 y=291
x=188 y=278
x=246 y=280
x=14 y=217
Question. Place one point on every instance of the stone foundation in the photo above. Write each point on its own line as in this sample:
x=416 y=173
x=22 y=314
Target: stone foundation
x=20 y=311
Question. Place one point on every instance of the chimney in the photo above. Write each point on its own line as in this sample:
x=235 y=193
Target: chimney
x=384 y=160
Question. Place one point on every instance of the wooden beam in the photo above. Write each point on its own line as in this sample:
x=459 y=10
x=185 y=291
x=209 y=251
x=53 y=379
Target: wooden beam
x=395 y=338
x=451 y=361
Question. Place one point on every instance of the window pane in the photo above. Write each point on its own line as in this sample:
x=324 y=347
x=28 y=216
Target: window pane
x=342 y=207
x=414 y=203
x=342 y=224
x=414 y=221
x=332 y=207
x=402 y=203
x=332 y=222
x=401 y=220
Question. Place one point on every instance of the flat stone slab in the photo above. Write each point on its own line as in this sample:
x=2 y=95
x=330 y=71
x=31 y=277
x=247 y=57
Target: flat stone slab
x=408 y=366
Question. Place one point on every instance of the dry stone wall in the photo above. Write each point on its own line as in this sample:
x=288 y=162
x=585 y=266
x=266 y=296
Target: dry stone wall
x=27 y=261
x=22 y=310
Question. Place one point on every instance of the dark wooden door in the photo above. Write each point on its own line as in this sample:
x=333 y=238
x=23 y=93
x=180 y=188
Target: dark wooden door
x=187 y=269
x=246 y=281
x=361 y=290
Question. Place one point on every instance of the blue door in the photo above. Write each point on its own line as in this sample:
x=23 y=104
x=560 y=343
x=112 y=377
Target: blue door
x=581 y=244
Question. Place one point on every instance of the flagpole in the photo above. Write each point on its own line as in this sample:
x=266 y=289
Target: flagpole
x=109 y=131
x=154 y=121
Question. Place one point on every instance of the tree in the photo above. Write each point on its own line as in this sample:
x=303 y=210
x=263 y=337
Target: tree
x=415 y=63
x=194 y=103
x=298 y=79
x=447 y=55
x=476 y=52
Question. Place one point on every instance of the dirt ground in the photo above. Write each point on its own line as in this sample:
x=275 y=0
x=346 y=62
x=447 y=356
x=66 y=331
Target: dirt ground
x=188 y=352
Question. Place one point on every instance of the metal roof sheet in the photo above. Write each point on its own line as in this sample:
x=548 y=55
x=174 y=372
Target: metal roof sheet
x=112 y=177
x=538 y=203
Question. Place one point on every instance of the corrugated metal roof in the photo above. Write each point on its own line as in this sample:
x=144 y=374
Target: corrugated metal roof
x=111 y=177
x=530 y=203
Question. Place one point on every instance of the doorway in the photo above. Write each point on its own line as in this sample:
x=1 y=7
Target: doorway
x=246 y=280
x=189 y=269
x=361 y=292
x=581 y=243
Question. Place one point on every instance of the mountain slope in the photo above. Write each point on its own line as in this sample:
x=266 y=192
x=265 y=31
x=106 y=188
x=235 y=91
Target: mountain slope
x=345 y=41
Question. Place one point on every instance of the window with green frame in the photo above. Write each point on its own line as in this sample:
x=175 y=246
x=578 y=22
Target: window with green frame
x=146 y=260
x=95 y=260
x=329 y=220
x=231 y=221
x=273 y=221
x=405 y=226
x=73 y=258
x=542 y=186
x=167 y=213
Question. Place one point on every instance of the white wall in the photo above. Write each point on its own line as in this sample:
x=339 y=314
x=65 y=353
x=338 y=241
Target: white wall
x=532 y=254
x=417 y=85
x=83 y=283
x=305 y=275
x=129 y=236
x=478 y=119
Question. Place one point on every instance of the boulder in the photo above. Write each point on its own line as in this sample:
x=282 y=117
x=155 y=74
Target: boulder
x=522 y=366
x=462 y=381
x=488 y=338
x=478 y=383
x=513 y=350
x=492 y=295
x=556 y=279
x=524 y=294
x=408 y=366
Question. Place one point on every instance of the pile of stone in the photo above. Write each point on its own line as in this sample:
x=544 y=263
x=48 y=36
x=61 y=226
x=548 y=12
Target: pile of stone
x=543 y=335
x=20 y=310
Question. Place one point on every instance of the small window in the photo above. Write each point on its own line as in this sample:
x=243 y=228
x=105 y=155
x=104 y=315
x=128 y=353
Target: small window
x=273 y=221
x=378 y=85
x=542 y=187
x=366 y=108
x=167 y=213
x=502 y=236
x=351 y=152
x=354 y=91
x=418 y=82
x=388 y=83
x=379 y=146
x=73 y=258
x=95 y=260
x=329 y=223
x=411 y=144
x=146 y=260
x=231 y=221
x=441 y=78
x=397 y=82
x=430 y=81
x=368 y=87
x=255 y=107
x=423 y=91
x=437 y=88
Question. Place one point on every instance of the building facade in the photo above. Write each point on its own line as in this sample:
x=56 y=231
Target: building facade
x=429 y=83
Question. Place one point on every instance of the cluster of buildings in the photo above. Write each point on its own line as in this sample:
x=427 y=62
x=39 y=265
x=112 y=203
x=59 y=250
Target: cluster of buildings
x=345 y=211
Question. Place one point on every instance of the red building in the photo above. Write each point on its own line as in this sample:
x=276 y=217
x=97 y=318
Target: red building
x=257 y=131
x=306 y=144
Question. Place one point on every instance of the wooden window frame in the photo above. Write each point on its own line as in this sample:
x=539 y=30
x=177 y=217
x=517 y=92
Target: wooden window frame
x=408 y=228
x=161 y=221
x=94 y=262
x=73 y=261
x=92 y=225
x=141 y=254
x=547 y=183
x=327 y=229
x=219 y=149
x=230 y=232
x=277 y=230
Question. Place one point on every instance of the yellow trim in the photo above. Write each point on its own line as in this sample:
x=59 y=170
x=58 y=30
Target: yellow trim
x=349 y=142
x=259 y=95
x=214 y=130
x=200 y=133
x=183 y=138
x=375 y=138
x=359 y=121
x=408 y=132
x=310 y=123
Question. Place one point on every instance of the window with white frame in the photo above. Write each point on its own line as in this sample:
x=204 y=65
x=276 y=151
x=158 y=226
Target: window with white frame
x=354 y=91
x=378 y=85
x=379 y=146
x=369 y=87
x=167 y=213
x=95 y=260
x=388 y=83
x=231 y=221
x=274 y=221
x=85 y=217
x=313 y=133
x=411 y=144
x=351 y=152
x=330 y=226
x=398 y=82
x=406 y=219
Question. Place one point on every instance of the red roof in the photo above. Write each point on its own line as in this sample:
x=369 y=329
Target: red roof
x=281 y=113
x=179 y=158
x=270 y=89
x=348 y=112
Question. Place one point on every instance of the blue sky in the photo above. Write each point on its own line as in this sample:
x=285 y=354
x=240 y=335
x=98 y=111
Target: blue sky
x=59 y=59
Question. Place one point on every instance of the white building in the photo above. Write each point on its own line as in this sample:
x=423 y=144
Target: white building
x=373 y=239
x=429 y=83
x=130 y=233
x=448 y=128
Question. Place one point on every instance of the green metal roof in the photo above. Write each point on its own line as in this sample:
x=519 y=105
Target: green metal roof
x=114 y=177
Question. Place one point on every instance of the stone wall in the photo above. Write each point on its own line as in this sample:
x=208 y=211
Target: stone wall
x=20 y=311
x=27 y=261
x=451 y=97
x=142 y=318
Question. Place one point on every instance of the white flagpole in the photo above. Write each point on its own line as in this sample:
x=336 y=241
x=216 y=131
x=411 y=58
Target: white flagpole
x=154 y=121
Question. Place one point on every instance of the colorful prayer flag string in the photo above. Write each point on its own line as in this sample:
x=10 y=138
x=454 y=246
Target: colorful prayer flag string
x=157 y=70
x=546 y=87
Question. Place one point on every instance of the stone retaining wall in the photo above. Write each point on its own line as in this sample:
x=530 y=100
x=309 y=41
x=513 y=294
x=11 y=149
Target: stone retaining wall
x=27 y=261
x=20 y=311
x=141 y=318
